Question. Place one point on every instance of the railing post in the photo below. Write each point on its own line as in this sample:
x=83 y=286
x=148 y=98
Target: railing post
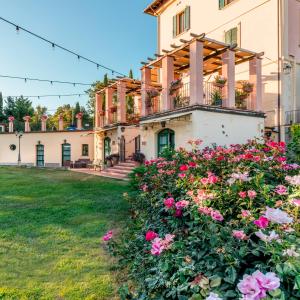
x=228 y=71
x=167 y=78
x=255 y=77
x=196 y=73
x=146 y=83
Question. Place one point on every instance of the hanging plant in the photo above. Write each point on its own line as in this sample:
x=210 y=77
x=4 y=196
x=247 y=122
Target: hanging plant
x=220 y=81
x=247 y=87
x=150 y=95
x=174 y=86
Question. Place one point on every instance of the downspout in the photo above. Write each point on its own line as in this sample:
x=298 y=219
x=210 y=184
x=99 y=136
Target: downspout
x=279 y=69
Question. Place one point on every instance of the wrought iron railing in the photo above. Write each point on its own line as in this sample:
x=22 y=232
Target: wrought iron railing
x=292 y=117
x=212 y=94
x=181 y=97
x=153 y=105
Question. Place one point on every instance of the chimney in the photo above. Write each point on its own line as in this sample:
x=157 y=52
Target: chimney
x=27 y=124
x=11 y=124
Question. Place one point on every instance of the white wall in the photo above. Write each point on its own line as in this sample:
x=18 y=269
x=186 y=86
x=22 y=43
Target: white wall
x=52 y=142
x=212 y=127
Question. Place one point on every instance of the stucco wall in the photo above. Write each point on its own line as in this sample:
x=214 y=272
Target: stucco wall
x=211 y=127
x=52 y=142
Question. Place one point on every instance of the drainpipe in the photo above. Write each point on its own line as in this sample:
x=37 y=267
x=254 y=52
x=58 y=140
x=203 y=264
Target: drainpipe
x=279 y=69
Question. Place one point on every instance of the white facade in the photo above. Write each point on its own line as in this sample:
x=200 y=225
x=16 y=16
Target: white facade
x=269 y=26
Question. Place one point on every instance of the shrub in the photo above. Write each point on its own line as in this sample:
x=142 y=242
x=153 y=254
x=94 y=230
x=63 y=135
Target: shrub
x=217 y=223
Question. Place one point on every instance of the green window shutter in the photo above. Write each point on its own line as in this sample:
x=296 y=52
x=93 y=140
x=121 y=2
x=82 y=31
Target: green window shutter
x=234 y=35
x=221 y=4
x=174 y=26
x=228 y=37
x=187 y=18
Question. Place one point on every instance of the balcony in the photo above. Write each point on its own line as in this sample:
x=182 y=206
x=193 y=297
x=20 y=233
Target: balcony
x=292 y=117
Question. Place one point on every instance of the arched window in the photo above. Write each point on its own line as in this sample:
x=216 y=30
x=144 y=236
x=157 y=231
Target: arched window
x=107 y=147
x=66 y=154
x=165 y=139
x=40 y=155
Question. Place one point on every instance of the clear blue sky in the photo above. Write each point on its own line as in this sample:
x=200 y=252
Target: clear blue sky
x=115 y=33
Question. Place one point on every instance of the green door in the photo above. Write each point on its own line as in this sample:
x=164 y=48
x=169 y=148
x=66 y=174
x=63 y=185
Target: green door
x=165 y=139
x=66 y=154
x=40 y=161
x=107 y=147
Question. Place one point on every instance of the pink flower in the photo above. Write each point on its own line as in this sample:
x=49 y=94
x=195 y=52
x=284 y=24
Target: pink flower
x=178 y=213
x=239 y=234
x=262 y=222
x=169 y=202
x=182 y=204
x=151 y=235
x=267 y=281
x=204 y=181
x=181 y=175
x=144 y=187
x=281 y=190
x=243 y=195
x=192 y=164
x=157 y=247
x=251 y=194
x=295 y=180
x=216 y=215
x=205 y=210
x=278 y=216
x=183 y=168
x=107 y=236
x=267 y=238
x=246 y=213
x=296 y=202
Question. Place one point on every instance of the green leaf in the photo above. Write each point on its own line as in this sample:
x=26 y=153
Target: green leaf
x=215 y=282
x=231 y=275
x=275 y=293
x=297 y=283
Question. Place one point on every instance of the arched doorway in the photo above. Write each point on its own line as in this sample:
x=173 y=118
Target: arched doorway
x=40 y=155
x=66 y=154
x=165 y=139
x=107 y=147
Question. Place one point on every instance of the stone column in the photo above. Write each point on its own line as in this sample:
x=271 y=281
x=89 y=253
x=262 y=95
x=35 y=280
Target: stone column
x=79 y=121
x=44 y=123
x=228 y=71
x=11 y=124
x=27 y=123
x=196 y=73
x=121 y=92
x=108 y=104
x=255 y=77
x=60 y=122
x=167 y=78
x=146 y=85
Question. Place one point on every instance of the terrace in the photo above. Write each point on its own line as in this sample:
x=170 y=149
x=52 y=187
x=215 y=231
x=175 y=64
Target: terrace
x=118 y=103
x=200 y=72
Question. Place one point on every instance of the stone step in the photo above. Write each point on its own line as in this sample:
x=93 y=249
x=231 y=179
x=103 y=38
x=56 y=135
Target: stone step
x=115 y=171
x=114 y=174
x=123 y=167
x=127 y=164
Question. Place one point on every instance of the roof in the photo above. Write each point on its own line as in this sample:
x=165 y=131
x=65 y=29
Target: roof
x=212 y=51
x=155 y=6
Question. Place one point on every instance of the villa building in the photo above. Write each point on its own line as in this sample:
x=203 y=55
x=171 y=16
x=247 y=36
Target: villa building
x=269 y=26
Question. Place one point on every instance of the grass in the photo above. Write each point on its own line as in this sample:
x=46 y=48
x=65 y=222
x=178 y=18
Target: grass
x=51 y=224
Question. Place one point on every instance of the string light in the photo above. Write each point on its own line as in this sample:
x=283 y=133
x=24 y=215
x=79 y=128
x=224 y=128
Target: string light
x=53 y=45
x=45 y=80
x=46 y=96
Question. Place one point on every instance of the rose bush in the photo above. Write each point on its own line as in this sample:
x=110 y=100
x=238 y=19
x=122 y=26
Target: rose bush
x=216 y=223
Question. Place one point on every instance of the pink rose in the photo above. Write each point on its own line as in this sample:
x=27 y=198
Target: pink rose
x=178 y=213
x=108 y=236
x=169 y=202
x=281 y=190
x=243 y=195
x=183 y=168
x=157 y=247
x=296 y=202
x=181 y=175
x=239 y=234
x=216 y=215
x=192 y=164
x=262 y=222
x=246 y=213
x=151 y=235
x=251 y=194
x=182 y=204
x=204 y=181
x=205 y=210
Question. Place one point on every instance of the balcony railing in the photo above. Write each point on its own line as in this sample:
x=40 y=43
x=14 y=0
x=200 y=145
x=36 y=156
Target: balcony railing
x=212 y=94
x=292 y=117
x=153 y=105
x=181 y=97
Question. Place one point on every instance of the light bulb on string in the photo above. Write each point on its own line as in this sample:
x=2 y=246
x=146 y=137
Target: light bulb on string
x=78 y=56
x=25 y=79
x=53 y=46
x=17 y=29
x=97 y=67
x=51 y=82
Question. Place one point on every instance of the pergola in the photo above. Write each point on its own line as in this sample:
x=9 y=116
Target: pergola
x=201 y=56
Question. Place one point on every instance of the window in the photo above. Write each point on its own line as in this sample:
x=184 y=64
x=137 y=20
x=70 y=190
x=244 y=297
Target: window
x=40 y=155
x=85 y=150
x=182 y=21
x=231 y=36
x=223 y=3
x=165 y=139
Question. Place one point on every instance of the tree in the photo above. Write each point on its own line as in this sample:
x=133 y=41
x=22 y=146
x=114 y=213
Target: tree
x=36 y=119
x=130 y=74
x=1 y=108
x=66 y=112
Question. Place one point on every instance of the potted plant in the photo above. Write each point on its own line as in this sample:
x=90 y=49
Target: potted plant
x=216 y=98
x=109 y=161
x=174 y=86
x=150 y=95
x=220 y=81
x=240 y=97
x=115 y=158
x=138 y=157
x=247 y=87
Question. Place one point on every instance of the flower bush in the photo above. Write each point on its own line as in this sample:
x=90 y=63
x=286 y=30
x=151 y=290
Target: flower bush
x=217 y=223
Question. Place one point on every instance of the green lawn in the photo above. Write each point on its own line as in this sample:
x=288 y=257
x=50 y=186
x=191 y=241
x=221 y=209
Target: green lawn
x=51 y=224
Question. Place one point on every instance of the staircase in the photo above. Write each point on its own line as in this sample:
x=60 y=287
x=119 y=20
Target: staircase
x=120 y=171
